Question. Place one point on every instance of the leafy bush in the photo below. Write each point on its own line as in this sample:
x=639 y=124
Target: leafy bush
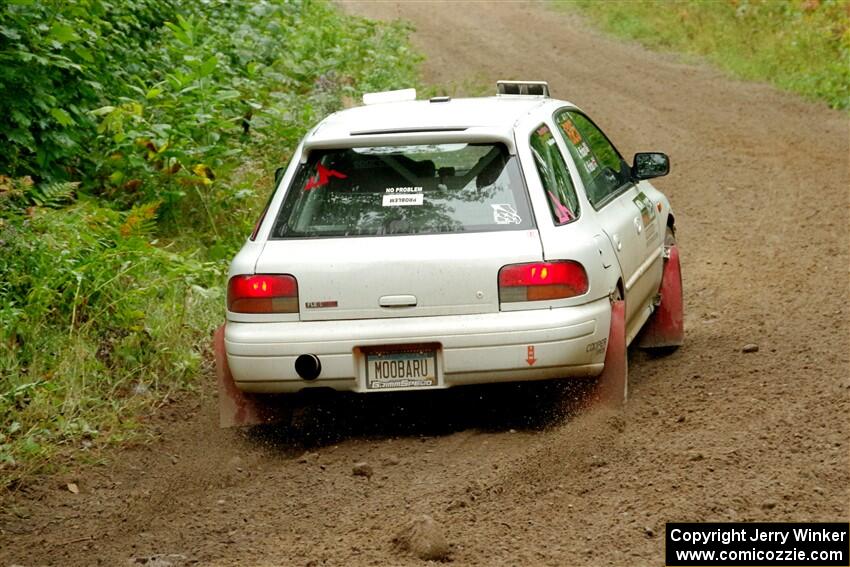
x=90 y=309
x=58 y=59
x=139 y=136
x=147 y=100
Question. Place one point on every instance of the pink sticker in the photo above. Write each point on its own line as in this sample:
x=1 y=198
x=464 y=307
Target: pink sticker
x=564 y=214
x=323 y=177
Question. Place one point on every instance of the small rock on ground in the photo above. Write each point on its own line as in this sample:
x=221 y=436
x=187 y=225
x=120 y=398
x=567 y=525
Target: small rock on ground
x=362 y=469
x=423 y=537
x=308 y=457
x=160 y=560
x=391 y=461
x=751 y=347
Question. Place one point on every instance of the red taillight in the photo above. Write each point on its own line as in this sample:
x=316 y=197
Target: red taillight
x=542 y=280
x=262 y=294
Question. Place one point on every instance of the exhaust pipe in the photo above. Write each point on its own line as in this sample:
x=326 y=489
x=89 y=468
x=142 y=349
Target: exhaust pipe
x=308 y=366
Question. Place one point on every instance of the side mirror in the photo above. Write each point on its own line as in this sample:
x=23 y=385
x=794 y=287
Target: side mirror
x=278 y=176
x=650 y=164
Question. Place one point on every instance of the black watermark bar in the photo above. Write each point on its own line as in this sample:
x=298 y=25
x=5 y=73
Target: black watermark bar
x=742 y=544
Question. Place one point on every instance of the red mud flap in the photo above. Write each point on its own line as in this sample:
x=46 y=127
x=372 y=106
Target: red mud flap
x=666 y=326
x=612 y=386
x=235 y=407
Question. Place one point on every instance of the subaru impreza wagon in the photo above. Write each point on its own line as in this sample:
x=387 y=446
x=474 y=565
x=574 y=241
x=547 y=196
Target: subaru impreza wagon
x=424 y=244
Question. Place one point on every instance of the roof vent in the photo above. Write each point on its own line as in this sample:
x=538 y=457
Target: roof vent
x=440 y=99
x=522 y=88
x=389 y=96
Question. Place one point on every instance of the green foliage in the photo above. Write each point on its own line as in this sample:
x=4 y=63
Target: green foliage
x=18 y=193
x=58 y=58
x=138 y=136
x=799 y=45
x=52 y=195
x=88 y=310
x=148 y=100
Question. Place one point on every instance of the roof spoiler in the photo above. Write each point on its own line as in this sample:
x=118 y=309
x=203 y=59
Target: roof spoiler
x=522 y=88
x=389 y=96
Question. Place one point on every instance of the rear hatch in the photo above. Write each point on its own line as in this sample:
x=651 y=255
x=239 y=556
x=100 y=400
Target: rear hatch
x=398 y=231
x=399 y=276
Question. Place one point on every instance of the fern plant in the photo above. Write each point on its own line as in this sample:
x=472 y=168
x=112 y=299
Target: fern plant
x=52 y=195
x=19 y=193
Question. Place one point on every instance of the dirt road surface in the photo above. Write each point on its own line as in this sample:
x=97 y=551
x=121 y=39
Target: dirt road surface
x=760 y=187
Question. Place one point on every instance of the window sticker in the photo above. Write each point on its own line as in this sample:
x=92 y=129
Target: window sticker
x=411 y=150
x=571 y=131
x=582 y=149
x=505 y=214
x=394 y=200
x=323 y=177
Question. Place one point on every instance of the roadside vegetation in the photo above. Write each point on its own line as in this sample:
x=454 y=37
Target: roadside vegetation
x=138 y=139
x=799 y=45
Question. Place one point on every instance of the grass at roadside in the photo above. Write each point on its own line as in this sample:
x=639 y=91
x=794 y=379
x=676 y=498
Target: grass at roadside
x=137 y=158
x=799 y=45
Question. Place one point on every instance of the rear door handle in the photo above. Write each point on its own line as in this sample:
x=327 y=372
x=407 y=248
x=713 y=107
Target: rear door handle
x=617 y=242
x=638 y=225
x=397 y=301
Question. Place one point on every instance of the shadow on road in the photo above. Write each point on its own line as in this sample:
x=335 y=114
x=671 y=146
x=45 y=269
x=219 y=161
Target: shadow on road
x=324 y=417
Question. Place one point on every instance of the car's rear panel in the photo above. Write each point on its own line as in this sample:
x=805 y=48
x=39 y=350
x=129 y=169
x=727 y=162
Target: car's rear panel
x=398 y=276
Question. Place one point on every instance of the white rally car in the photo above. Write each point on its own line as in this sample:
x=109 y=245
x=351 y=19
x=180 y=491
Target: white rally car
x=420 y=244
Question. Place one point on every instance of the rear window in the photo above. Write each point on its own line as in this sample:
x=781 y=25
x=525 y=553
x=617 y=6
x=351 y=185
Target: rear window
x=423 y=189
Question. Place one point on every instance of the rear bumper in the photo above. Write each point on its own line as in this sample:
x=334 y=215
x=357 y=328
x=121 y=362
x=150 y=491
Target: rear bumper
x=473 y=349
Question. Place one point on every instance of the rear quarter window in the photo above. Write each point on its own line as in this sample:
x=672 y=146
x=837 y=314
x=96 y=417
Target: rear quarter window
x=554 y=176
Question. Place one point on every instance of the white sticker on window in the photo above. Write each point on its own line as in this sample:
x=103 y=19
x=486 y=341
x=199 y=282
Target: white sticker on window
x=505 y=214
x=403 y=200
x=416 y=189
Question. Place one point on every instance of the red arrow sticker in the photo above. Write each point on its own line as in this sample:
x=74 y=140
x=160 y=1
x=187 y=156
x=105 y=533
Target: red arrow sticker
x=323 y=176
x=531 y=360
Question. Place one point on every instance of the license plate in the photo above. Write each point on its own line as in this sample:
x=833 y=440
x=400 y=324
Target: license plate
x=401 y=369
